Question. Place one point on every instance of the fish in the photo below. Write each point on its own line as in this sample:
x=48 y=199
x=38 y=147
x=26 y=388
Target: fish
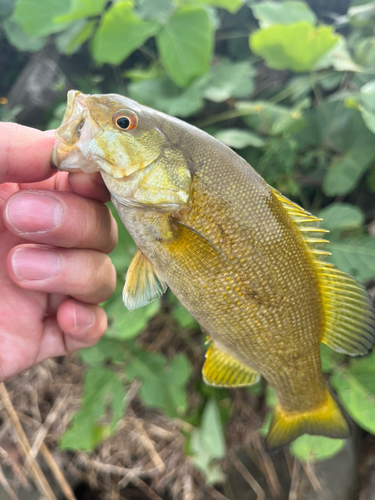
x=249 y=264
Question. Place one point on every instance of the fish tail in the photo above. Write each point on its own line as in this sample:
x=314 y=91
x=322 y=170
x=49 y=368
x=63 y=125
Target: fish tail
x=325 y=420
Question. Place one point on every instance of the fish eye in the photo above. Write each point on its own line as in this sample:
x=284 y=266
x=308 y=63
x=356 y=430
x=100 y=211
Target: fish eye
x=125 y=120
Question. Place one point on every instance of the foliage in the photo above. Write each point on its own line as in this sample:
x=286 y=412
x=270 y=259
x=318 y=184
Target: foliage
x=314 y=448
x=207 y=443
x=293 y=95
x=86 y=430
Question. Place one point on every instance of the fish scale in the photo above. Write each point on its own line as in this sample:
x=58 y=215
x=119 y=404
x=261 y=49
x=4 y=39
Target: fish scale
x=245 y=261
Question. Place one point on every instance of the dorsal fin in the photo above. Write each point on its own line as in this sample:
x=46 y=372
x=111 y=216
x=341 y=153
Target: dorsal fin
x=348 y=312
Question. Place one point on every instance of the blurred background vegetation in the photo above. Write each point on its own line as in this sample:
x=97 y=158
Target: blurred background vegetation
x=290 y=86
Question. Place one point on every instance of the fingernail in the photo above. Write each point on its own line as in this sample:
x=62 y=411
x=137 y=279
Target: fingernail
x=31 y=263
x=33 y=213
x=82 y=316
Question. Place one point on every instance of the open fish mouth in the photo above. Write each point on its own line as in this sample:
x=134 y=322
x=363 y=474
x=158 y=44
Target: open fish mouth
x=77 y=129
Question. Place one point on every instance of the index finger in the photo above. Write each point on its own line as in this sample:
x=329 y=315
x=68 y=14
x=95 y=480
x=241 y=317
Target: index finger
x=24 y=153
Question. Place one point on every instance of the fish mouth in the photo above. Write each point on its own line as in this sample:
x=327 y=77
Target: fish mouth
x=78 y=127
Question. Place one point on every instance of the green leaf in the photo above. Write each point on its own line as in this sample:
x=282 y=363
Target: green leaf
x=6 y=8
x=140 y=74
x=230 y=79
x=269 y=118
x=102 y=388
x=368 y=118
x=289 y=12
x=125 y=324
x=329 y=358
x=314 y=448
x=21 y=40
x=355 y=256
x=270 y=404
x=121 y=32
x=163 y=384
x=370 y=179
x=342 y=129
x=345 y=171
x=125 y=249
x=368 y=95
x=231 y=6
x=185 y=45
x=37 y=16
x=207 y=443
x=82 y=8
x=183 y=317
x=70 y=40
x=360 y=15
x=339 y=217
x=338 y=58
x=163 y=95
x=356 y=388
x=239 y=138
x=297 y=47
x=365 y=52
x=105 y=350
x=158 y=10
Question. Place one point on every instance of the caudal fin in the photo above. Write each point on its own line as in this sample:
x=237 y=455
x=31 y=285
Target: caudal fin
x=326 y=420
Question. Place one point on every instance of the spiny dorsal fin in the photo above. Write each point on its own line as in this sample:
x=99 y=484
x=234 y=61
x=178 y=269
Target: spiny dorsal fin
x=223 y=370
x=142 y=284
x=349 y=314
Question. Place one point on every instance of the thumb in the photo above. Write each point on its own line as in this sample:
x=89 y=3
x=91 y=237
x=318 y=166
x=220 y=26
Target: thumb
x=24 y=153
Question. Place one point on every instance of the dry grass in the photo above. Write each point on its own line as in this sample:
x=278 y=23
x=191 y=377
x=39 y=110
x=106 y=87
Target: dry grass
x=145 y=459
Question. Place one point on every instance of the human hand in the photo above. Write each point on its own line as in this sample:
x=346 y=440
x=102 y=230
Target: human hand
x=55 y=233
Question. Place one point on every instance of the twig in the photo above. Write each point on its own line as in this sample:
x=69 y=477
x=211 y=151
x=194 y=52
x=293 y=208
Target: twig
x=59 y=476
x=249 y=478
x=123 y=471
x=38 y=477
x=216 y=494
x=144 y=487
x=312 y=477
x=86 y=477
x=149 y=446
x=4 y=483
x=294 y=481
x=268 y=468
x=43 y=431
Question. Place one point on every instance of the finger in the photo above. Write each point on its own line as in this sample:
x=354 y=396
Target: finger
x=89 y=186
x=61 y=219
x=25 y=153
x=75 y=326
x=86 y=275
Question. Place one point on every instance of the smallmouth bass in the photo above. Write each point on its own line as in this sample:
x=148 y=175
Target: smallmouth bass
x=244 y=260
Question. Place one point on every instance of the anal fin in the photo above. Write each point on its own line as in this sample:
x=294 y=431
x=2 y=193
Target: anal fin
x=223 y=370
x=142 y=284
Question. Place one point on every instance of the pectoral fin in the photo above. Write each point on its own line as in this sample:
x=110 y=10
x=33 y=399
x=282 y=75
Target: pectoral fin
x=223 y=370
x=192 y=250
x=143 y=283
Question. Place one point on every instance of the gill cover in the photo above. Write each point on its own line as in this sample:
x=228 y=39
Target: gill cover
x=123 y=140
